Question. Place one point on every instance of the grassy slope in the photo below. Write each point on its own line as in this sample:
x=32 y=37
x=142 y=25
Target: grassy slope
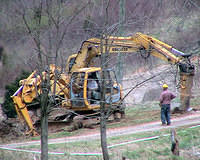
x=154 y=149
x=157 y=148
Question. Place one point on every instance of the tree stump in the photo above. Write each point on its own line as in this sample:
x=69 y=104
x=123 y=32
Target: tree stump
x=175 y=143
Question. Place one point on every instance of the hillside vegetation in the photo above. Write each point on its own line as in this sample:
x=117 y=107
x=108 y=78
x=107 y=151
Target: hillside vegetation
x=175 y=22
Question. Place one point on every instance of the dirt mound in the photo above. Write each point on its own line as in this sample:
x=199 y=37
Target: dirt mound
x=10 y=129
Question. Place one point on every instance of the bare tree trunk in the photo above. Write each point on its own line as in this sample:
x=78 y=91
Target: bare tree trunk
x=120 y=57
x=45 y=81
x=102 y=109
x=103 y=133
x=44 y=86
x=44 y=121
x=104 y=66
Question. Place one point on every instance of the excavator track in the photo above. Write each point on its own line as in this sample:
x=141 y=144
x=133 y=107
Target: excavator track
x=77 y=121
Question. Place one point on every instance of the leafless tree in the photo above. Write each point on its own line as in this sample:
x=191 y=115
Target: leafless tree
x=47 y=49
x=104 y=66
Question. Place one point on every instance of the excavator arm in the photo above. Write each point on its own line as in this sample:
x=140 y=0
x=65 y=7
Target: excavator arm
x=138 y=44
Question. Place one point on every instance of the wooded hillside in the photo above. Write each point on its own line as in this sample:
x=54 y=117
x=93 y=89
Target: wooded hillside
x=175 y=22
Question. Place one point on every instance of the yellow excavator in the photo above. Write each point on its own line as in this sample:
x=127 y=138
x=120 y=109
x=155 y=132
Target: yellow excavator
x=80 y=87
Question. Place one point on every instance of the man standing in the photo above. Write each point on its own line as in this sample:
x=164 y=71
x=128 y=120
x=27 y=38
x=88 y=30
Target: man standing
x=165 y=100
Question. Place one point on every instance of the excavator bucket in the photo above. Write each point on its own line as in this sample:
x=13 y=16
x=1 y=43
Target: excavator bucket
x=186 y=80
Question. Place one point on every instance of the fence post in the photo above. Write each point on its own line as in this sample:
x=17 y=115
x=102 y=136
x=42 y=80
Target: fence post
x=175 y=143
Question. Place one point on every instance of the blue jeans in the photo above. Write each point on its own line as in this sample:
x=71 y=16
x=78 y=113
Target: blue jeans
x=165 y=114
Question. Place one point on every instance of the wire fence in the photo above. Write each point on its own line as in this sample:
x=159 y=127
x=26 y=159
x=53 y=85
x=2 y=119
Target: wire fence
x=155 y=144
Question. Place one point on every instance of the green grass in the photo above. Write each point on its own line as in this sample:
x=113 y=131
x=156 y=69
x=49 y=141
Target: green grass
x=159 y=148
x=151 y=150
x=134 y=154
x=195 y=101
x=60 y=134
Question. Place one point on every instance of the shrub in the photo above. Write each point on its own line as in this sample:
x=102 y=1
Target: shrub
x=8 y=106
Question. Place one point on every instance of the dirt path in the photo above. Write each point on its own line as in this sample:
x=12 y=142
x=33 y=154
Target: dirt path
x=186 y=120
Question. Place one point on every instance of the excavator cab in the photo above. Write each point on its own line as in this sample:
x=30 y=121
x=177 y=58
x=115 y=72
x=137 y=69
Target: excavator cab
x=77 y=89
x=86 y=88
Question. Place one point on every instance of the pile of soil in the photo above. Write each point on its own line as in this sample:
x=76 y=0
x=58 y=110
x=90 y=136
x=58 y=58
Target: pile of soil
x=10 y=129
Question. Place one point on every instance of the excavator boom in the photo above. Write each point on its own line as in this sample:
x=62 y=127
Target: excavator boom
x=138 y=44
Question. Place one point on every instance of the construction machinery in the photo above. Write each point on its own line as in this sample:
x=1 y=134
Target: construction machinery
x=72 y=87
